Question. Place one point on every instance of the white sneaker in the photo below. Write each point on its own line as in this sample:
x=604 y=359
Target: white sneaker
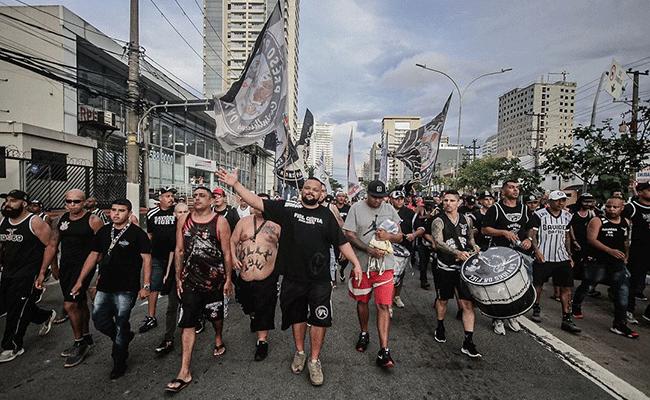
x=9 y=355
x=513 y=324
x=398 y=302
x=47 y=325
x=499 y=329
x=315 y=372
x=631 y=319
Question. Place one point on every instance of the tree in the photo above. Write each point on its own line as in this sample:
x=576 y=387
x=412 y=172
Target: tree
x=335 y=185
x=602 y=153
x=486 y=172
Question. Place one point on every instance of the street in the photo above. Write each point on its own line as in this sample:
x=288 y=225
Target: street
x=513 y=367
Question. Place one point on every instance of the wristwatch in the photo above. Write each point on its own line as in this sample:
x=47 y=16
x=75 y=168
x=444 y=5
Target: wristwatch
x=146 y=286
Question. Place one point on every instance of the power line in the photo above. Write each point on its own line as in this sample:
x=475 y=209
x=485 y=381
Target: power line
x=148 y=58
x=185 y=40
x=199 y=32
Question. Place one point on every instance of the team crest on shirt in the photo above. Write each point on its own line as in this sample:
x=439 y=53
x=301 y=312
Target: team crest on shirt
x=205 y=235
x=513 y=217
x=64 y=225
x=123 y=243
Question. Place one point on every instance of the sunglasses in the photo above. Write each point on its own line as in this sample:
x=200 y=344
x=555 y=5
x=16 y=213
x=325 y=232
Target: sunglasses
x=72 y=201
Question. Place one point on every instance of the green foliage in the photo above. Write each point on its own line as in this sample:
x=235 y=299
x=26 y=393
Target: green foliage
x=486 y=172
x=335 y=185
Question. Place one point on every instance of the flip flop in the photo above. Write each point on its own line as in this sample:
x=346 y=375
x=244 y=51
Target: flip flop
x=219 y=350
x=183 y=385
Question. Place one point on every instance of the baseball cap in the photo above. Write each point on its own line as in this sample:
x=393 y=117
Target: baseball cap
x=557 y=195
x=470 y=199
x=396 y=194
x=218 y=191
x=35 y=201
x=167 y=189
x=530 y=197
x=642 y=186
x=377 y=189
x=16 y=194
x=485 y=195
x=586 y=196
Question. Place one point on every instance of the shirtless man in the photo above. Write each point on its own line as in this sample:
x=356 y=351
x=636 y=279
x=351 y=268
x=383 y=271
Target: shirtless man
x=254 y=247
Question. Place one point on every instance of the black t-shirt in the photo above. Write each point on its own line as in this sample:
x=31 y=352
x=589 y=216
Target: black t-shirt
x=514 y=219
x=639 y=214
x=579 y=225
x=406 y=225
x=76 y=238
x=307 y=235
x=122 y=273
x=161 y=224
x=231 y=216
x=425 y=223
x=343 y=211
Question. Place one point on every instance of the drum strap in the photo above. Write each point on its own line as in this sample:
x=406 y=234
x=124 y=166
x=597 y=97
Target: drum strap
x=454 y=232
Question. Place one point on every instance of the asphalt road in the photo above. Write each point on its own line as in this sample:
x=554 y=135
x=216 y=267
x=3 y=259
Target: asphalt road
x=512 y=367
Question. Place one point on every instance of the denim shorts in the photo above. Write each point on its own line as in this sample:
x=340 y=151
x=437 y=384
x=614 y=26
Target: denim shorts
x=158 y=269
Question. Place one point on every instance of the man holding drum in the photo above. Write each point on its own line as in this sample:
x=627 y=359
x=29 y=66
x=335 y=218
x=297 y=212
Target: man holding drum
x=454 y=243
x=506 y=224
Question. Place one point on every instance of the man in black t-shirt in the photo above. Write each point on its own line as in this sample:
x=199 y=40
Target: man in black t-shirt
x=486 y=200
x=424 y=244
x=161 y=229
x=308 y=232
x=507 y=223
x=124 y=249
x=638 y=211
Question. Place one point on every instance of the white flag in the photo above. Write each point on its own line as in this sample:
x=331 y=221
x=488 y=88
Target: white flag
x=353 y=181
x=255 y=104
x=615 y=80
x=321 y=174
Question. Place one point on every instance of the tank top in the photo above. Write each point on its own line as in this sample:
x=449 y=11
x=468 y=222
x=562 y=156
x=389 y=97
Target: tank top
x=76 y=238
x=22 y=250
x=455 y=236
x=203 y=259
x=579 y=225
x=514 y=219
x=613 y=236
x=640 y=217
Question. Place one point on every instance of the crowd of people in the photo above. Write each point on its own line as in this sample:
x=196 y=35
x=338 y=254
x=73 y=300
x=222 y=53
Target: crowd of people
x=298 y=250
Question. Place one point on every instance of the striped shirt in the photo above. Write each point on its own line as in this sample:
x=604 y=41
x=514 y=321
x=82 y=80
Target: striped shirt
x=551 y=234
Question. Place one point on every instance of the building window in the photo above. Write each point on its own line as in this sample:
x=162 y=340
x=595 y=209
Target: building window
x=49 y=165
x=167 y=136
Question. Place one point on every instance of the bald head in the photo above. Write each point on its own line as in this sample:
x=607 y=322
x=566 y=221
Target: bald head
x=75 y=201
x=77 y=193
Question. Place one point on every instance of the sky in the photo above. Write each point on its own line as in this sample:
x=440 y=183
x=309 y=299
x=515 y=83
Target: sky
x=357 y=57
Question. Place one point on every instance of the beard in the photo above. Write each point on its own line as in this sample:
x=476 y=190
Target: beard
x=310 y=202
x=9 y=212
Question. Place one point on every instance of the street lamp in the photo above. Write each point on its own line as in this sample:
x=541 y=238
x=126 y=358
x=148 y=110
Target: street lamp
x=460 y=98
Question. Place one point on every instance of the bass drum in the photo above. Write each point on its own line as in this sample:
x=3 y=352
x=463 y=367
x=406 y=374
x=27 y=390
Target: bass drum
x=499 y=282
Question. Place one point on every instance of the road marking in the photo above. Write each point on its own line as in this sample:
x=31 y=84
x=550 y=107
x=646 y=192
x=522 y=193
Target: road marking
x=610 y=383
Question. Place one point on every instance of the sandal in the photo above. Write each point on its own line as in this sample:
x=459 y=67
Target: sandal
x=182 y=385
x=219 y=350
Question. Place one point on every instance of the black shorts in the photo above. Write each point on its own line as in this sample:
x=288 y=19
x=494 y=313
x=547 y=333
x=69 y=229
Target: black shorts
x=68 y=276
x=306 y=302
x=448 y=282
x=258 y=300
x=560 y=271
x=196 y=303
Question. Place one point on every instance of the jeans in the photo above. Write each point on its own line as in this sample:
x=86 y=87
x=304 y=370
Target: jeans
x=638 y=268
x=111 y=315
x=618 y=276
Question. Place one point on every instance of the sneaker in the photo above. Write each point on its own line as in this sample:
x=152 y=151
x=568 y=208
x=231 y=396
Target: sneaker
x=298 y=363
x=469 y=349
x=499 y=329
x=641 y=297
x=69 y=351
x=148 y=324
x=261 y=350
x=630 y=318
x=315 y=372
x=79 y=353
x=623 y=330
x=47 y=325
x=537 y=314
x=200 y=326
x=594 y=293
x=577 y=313
x=384 y=359
x=9 y=355
x=61 y=318
x=513 y=324
x=118 y=371
x=569 y=326
x=164 y=347
x=89 y=340
x=439 y=335
x=362 y=343
x=398 y=302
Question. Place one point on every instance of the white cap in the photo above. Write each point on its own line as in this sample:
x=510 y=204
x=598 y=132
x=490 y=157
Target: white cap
x=557 y=195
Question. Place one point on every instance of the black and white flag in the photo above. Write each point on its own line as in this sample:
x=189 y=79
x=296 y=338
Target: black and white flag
x=419 y=148
x=288 y=162
x=305 y=138
x=256 y=103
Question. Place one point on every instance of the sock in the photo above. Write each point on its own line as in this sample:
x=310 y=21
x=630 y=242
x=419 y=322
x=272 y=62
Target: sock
x=468 y=336
x=81 y=339
x=441 y=323
x=566 y=316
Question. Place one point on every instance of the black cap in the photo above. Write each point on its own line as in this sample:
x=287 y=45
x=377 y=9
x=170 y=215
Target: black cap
x=530 y=197
x=586 y=196
x=485 y=195
x=16 y=194
x=377 y=189
x=35 y=201
x=166 y=189
x=642 y=186
x=470 y=199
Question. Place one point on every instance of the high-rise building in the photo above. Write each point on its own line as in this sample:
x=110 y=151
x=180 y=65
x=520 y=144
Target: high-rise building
x=322 y=143
x=230 y=29
x=374 y=160
x=489 y=148
x=396 y=128
x=518 y=129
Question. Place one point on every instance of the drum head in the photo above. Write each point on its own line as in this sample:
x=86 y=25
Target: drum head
x=496 y=264
x=400 y=251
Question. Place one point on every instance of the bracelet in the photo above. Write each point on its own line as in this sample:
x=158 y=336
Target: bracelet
x=146 y=286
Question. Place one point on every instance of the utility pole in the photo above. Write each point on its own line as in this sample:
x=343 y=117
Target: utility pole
x=474 y=147
x=634 y=124
x=538 y=130
x=132 y=147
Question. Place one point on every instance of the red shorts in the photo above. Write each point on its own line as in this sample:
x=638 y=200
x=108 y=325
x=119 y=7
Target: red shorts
x=382 y=285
